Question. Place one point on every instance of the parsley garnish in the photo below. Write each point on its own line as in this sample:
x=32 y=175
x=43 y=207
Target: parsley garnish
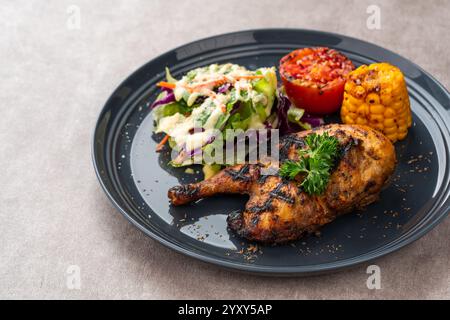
x=315 y=163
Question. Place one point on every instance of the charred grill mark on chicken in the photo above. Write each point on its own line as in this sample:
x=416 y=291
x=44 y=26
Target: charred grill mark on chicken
x=280 y=194
x=241 y=174
x=287 y=142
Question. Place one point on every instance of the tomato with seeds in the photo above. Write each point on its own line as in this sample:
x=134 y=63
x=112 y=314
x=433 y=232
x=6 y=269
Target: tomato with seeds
x=314 y=78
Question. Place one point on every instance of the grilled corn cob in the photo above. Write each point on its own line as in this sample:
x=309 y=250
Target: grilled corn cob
x=376 y=95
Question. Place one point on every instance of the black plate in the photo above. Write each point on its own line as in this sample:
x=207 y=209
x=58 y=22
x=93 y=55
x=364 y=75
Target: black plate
x=136 y=178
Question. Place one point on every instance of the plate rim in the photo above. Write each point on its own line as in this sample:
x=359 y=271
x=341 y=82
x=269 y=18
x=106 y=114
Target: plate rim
x=254 y=268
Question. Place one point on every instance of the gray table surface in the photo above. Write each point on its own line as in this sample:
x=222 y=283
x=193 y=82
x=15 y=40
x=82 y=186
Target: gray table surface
x=55 y=78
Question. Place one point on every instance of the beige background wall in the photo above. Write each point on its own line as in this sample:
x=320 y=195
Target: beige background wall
x=54 y=82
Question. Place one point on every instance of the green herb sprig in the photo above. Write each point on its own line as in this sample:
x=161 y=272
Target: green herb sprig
x=315 y=163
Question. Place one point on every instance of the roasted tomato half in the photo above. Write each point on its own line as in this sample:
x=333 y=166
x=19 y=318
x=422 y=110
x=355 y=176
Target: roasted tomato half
x=314 y=78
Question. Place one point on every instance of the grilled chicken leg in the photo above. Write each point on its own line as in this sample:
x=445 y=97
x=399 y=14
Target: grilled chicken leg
x=278 y=210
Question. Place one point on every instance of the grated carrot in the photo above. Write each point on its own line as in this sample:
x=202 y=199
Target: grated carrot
x=160 y=145
x=165 y=84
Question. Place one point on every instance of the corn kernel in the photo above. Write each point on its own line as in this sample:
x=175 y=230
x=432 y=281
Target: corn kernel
x=402 y=135
x=352 y=100
x=392 y=136
x=352 y=115
x=376 y=118
x=349 y=120
x=372 y=98
x=397 y=105
x=363 y=110
x=402 y=122
x=386 y=100
x=359 y=92
x=377 y=109
x=387 y=92
x=390 y=130
x=344 y=111
x=389 y=122
x=389 y=113
x=352 y=107
x=361 y=121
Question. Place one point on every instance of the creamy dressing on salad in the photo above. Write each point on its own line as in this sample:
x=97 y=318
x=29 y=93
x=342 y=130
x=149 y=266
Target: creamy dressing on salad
x=212 y=92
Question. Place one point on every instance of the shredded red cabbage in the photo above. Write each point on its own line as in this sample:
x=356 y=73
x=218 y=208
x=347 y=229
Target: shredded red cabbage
x=183 y=155
x=168 y=90
x=268 y=125
x=284 y=125
x=224 y=88
x=312 y=120
x=234 y=109
x=168 y=98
